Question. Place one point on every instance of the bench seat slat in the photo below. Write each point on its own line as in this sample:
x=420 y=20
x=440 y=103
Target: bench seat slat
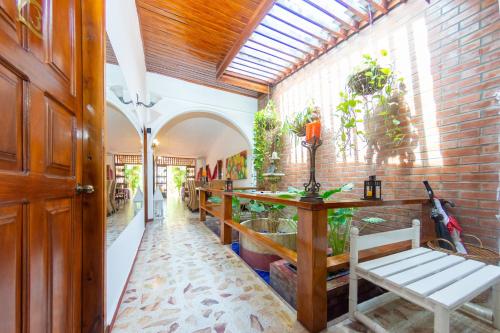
x=442 y=279
x=461 y=291
x=367 y=265
x=420 y=272
x=406 y=264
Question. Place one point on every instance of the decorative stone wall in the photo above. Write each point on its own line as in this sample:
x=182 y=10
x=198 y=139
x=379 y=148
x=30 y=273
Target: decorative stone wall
x=449 y=54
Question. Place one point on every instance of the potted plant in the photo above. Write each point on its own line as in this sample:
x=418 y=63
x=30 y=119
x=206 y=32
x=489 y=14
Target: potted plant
x=373 y=92
x=297 y=125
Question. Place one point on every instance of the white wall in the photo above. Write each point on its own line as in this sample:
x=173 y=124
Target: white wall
x=119 y=260
x=228 y=143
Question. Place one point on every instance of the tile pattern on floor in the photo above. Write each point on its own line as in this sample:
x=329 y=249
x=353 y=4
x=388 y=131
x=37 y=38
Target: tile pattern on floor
x=184 y=280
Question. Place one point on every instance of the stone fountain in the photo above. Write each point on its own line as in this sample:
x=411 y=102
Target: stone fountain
x=272 y=176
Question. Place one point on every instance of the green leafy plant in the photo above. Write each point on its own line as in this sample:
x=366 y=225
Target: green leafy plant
x=297 y=125
x=133 y=176
x=371 y=94
x=267 y=131
x=339 y=220
x=179 y=175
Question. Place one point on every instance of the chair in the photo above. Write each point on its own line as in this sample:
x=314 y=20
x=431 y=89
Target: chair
x=434 y=280
x=193 y=202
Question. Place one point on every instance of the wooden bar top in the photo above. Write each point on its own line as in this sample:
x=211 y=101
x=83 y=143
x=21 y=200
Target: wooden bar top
x=339 y=203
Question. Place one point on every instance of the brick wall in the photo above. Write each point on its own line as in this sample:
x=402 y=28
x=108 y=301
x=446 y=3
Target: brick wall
x=449 y=54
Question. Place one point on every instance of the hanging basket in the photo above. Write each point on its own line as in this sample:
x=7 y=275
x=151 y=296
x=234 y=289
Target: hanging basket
x=360 y=82
x=474 y=251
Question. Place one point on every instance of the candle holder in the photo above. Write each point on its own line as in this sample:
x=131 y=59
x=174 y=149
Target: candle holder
x=312 y=187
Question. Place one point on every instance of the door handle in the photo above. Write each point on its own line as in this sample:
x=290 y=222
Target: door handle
x=86 y=189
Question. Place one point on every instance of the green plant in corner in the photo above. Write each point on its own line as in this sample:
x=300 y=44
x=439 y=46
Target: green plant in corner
x=133 y=176
x=267 y=132
x=179 y=177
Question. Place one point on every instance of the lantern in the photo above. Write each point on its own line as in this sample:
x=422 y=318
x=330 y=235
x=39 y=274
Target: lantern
x=229 y=185
x=158 y=205
x=138 y=200
x=373 y=189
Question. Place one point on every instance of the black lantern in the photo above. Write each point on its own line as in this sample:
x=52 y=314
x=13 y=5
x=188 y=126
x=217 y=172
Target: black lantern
x=373 y=189
x=229 y=185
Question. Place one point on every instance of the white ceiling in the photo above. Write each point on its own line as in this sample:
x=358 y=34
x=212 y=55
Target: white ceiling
x=121 y=135
x=193 y=135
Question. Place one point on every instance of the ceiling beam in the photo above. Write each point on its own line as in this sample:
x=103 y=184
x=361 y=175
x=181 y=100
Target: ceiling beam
x=355 y=8
x=259 y=14
x=243 y=83
x=381 y=5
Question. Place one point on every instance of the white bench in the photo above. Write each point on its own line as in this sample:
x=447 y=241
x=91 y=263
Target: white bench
x=434 y=280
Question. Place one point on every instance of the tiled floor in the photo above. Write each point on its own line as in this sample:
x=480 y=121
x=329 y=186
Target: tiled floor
x=185 y=281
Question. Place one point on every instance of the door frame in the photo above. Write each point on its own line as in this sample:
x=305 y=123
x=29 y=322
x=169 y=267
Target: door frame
x=93 y=286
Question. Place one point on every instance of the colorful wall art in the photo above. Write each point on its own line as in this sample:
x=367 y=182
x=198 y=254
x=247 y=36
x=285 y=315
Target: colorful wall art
x=236 y=166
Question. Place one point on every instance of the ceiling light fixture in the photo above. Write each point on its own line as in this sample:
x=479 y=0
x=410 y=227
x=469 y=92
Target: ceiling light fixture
x=119 y=93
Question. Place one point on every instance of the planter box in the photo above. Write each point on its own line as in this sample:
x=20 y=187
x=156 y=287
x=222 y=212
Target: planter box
x=284 y=281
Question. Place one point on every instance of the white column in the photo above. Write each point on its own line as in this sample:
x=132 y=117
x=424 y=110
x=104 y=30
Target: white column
x=150 y=178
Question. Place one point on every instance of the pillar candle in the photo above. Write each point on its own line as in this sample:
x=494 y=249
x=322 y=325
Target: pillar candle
x=313 y=130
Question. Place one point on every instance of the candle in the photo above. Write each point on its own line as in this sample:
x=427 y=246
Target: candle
x=313 y=130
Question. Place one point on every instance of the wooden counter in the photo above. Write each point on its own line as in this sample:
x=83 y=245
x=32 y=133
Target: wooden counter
x=311 y=259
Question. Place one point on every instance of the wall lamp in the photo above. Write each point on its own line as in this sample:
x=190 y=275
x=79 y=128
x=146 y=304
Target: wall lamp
x=118 y=91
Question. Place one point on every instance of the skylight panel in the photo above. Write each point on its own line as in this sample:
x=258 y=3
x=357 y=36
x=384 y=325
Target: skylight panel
x=283 y=38
x=290 y=30
x=245 y=73
x=297 y=21
x=271 y=43
x=260 y=62
x=255 y=65
x=265 y=56
x=333 y=8
x=272 y=51
x=307 y=11
x=253 y=70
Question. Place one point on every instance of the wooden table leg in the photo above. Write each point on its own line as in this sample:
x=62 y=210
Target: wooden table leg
x=227 y=214
x=311 y=264
x=202 y=203
x=441 y=320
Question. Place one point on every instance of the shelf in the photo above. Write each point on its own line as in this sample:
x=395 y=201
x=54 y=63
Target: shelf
x=213 y=209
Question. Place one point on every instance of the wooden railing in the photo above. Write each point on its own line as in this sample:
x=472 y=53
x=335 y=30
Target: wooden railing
x=311 y=259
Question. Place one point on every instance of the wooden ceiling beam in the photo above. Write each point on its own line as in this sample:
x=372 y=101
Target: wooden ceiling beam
x=246 y=84
x=254 y=21
x=379 y=6
x=361 y=13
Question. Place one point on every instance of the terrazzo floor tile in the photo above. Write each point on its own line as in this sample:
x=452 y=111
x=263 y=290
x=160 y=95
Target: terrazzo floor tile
x=185 y=281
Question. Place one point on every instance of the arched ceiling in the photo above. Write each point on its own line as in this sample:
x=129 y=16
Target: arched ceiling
x=194 y=135
x=121 y=135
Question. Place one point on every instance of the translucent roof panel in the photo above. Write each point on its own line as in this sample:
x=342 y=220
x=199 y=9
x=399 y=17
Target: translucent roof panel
x=295 y=32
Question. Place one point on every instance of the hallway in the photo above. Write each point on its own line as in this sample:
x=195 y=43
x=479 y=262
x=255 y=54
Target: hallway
x=185 y=281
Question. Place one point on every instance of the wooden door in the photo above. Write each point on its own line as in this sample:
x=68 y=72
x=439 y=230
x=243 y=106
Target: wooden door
x=40 y=165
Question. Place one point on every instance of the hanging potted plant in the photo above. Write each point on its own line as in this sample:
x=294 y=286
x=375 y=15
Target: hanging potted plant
x=297 y=125
x=373 y=92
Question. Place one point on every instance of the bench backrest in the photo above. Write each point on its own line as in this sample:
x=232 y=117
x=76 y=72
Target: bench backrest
x=359 y=243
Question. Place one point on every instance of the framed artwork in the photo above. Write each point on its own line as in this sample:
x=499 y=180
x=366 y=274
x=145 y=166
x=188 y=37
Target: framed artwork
x=236 y=166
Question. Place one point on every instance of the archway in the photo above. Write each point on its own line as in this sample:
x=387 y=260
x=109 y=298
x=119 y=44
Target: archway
x=209 y=138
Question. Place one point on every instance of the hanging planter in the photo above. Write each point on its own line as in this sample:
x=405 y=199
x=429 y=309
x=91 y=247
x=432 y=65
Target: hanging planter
x=297 y=125
x=368 y=81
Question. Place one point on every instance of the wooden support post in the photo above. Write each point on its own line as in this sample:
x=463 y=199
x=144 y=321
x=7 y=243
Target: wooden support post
x=311 y=264
x=428 y=230
x=227 y=214
x=202 y=197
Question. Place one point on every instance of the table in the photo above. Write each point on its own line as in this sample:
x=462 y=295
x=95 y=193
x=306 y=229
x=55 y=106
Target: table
x=434 y=280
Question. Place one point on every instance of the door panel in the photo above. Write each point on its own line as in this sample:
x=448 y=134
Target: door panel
x=40 y=150
x=10 y=262
x=60 y=139
x=11 y=95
